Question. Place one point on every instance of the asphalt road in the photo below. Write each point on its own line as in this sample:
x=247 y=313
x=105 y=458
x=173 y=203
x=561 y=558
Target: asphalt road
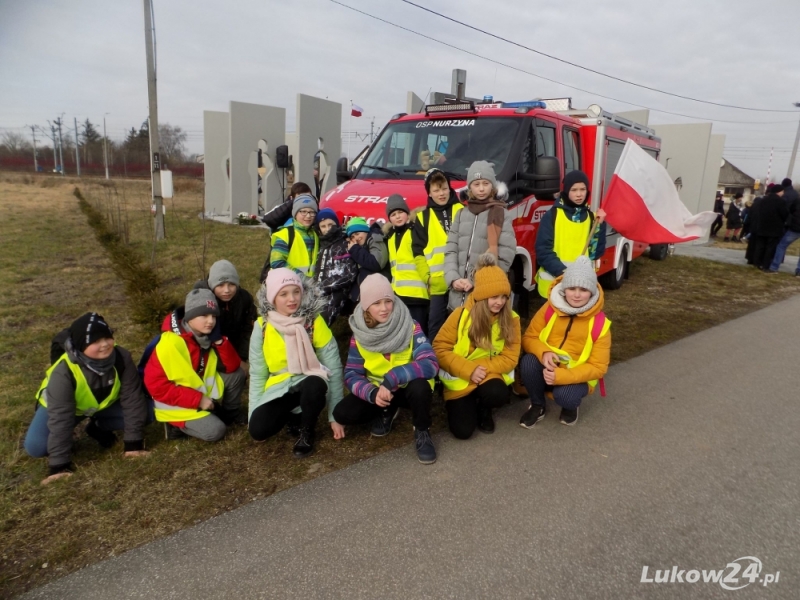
x=692 y=461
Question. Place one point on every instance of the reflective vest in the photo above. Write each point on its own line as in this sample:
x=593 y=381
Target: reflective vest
x=377 y=365
x=435 y=249
x=173 y=354
x=85 y=402
x=405 y=277
x=298 y=258
x=275 y=348
x=455 y=384
x=569 y=240
x=598 y=327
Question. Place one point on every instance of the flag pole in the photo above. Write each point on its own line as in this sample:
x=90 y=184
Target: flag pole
x=591 y=234
x=349 y=133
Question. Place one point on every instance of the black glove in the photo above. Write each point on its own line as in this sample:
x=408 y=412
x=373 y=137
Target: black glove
x=216 y=333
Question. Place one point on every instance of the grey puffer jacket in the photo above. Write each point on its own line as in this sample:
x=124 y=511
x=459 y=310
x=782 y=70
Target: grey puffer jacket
x=468 y=237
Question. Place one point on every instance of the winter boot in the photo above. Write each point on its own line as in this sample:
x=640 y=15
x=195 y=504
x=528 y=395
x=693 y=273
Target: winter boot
x=304 y=445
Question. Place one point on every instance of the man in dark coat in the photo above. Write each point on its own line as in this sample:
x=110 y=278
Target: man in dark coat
x=719 y=208
x=770 y=225
x=790 y=194
x=792 y=232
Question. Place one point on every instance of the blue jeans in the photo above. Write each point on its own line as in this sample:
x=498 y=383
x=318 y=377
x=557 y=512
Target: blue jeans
x=109 y=419
x=780 y=252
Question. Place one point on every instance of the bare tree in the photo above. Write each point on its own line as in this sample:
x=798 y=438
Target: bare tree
x=173 y=143
x=15 y=143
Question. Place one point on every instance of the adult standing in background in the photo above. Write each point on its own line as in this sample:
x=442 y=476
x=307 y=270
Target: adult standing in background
x=792 y=232
x=772 y=213
x=719 y=208
x=790 y=194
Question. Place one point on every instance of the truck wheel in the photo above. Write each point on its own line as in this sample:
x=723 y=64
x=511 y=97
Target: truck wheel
x=613 y=280
x=659 y=251
x=519 y=300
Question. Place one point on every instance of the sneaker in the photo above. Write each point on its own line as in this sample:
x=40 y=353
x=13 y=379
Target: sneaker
x=105 y=438
x=304 y=445
x=383 y=424
x=426 y=453
x=485 y=420
x=519 y=390
x=568 y=417
x=532 y=416
x=173 y=433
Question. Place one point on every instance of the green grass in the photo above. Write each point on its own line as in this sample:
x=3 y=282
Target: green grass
x=52 y=269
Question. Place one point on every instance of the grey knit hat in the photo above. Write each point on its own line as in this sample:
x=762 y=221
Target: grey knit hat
x=221 y=272
x=481 y=169
x=304 y=201
x=396 y=202
x=200 y=302
x=580 y=274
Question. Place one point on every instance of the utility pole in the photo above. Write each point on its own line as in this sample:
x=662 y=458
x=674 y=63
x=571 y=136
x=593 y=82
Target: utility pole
x=155 y=154
x=77 y=148
x=35 y=160
x=55 y=148
x=372 y=131
x=60 y=146
x=105 y=145
x=794 y=149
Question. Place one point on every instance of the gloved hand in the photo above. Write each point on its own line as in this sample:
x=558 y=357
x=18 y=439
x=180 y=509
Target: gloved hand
x=216 y=333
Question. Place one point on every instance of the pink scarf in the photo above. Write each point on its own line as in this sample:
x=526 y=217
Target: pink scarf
x=300 y=356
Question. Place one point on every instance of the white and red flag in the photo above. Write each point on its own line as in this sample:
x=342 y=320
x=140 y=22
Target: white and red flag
x=356 y=110
x=642 y=203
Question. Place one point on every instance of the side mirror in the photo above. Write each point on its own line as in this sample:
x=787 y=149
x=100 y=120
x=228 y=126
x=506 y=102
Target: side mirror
x=547 y=173
x=342 y=173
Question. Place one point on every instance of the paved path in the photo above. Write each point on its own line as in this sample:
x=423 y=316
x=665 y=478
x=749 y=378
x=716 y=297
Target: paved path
x=692 y=460
x=730 y=256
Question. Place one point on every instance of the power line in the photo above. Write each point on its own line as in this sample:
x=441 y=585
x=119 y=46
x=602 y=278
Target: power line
x=595 y=71
x=520 y=70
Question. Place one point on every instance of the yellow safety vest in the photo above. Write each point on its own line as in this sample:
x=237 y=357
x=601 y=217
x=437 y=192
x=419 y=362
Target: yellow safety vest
x=435 y=249
x=173 y=354
x=85 y=402
x=456 y=384
x=275 y=348
x=405 y=277
x=587 y=348
x=569 y=239
x=298 y=258
x=376 y=364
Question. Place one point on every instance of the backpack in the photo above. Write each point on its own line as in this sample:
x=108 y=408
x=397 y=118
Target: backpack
x=265 y=269
x=597 y=329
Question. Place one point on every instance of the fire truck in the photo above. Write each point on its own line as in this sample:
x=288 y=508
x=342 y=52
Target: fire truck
x=532 y=144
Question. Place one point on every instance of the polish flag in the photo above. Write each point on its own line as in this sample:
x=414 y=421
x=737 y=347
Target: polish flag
x=642 y=203
x=356 y=110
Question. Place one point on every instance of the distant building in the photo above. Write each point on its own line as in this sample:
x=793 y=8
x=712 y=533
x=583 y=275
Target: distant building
x=732 y=180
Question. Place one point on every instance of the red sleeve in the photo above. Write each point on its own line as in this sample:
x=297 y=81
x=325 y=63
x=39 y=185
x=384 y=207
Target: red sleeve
x=164 y=390
x=228 y=356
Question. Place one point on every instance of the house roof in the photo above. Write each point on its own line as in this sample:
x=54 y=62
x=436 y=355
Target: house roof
x=731 y=175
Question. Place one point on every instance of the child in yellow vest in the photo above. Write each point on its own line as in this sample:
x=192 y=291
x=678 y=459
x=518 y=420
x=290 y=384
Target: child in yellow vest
x=567 y=345
x=478 y=349
x=390 y=365
x=407 y=282
x=294 y=362
x=296 y=244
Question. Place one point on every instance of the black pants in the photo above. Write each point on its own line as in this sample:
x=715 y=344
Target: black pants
x=419 y=311
x=462 y=414
x=765 y=250
x=716 y=226
x=417 y=396
x=269 y=418
x=437 y=315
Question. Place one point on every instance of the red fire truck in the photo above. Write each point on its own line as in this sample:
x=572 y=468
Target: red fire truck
x=532 y=144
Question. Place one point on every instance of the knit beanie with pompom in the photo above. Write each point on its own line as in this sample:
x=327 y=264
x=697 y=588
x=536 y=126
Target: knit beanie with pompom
x=490 y=280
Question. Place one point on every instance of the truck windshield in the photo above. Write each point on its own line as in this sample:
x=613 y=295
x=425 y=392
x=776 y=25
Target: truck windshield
x=407 y=150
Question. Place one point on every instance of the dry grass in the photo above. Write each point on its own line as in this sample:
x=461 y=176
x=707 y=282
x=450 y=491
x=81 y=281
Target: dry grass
x=52 y=269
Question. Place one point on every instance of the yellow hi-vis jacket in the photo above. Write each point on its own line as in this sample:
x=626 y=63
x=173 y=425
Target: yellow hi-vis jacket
x=569 y=240
x=173 y=354
x=376 y=365
x=406 y=280
x=85 y=402
x=433 y=265
x=298 y=258
x=275 y=348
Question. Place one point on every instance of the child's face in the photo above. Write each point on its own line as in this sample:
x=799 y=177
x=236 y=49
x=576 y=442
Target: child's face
x=440 y=193
x=305 y=217
x=481 y=188
x=203 y=324
x=381 y=310
x=577 y=296
x=225 y=291
x=100 y=349
x=398 y=218
x=326 y=225
x=287 y=301
x=496 y=303
x=577 y=193
x=359 y=237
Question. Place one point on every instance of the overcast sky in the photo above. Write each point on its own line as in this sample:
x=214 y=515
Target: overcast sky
x=86 y=58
